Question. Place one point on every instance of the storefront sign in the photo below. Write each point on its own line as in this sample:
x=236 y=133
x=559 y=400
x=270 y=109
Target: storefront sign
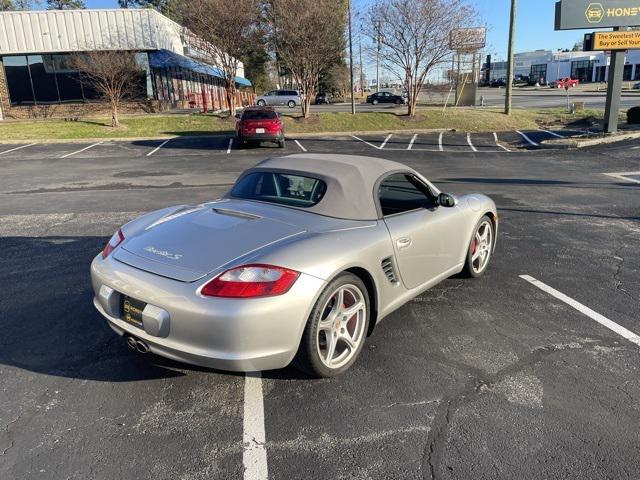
x=578 y=14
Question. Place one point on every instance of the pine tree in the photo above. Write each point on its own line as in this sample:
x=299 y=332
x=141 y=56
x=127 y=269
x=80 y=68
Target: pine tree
x=65 y=4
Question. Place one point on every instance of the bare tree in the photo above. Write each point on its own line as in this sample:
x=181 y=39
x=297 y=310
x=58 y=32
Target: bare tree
x=308 y=36
x=226 y=32
x=114 y=75
x=414 y=37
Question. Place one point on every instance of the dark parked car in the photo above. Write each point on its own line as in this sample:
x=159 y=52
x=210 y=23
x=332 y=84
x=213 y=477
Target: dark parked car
x=323 y=98
x=257 y=124
x=500 y=82
x=385 y=97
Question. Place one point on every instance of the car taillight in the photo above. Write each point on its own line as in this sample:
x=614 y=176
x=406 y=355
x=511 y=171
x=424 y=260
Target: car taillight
x=251 y=281
x=113 y=242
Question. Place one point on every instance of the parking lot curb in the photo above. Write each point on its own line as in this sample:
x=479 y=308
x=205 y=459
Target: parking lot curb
x=109 y=139
x=569 y=143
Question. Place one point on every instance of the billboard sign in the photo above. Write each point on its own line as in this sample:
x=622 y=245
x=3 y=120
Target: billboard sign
x=468 y=39
x=616 y=40
x=578 y=14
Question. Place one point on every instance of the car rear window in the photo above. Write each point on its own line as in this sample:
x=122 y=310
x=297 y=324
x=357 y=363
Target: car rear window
x=259 y=115
x=280 y=188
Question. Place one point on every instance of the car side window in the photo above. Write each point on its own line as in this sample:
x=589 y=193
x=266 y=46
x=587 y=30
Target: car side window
x=271 y=93
x=402 y=192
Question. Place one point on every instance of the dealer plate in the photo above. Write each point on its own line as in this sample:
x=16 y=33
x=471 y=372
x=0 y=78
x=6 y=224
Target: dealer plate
x=132 y=311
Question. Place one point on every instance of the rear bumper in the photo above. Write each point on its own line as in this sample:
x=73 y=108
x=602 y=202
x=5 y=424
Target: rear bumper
x=226 y=334
x=254 y=137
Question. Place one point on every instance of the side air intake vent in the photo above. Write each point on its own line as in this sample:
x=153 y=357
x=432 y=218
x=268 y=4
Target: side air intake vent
x=389 y=270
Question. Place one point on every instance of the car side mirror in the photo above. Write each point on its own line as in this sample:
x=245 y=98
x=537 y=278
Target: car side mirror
x=446 y=200
x=238 y=116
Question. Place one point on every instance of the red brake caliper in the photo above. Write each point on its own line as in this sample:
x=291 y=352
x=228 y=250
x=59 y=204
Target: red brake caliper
x=473 y=247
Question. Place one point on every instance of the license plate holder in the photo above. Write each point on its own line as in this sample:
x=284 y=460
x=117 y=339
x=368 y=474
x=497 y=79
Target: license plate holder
x=132 y=311
x=259 y=130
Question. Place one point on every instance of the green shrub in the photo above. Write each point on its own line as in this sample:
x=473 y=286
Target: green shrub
x=633 y=115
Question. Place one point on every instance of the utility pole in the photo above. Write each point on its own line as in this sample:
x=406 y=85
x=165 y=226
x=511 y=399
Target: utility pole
x=512 y=34
x=361 y=65
x=378 y=61
x=353 y=101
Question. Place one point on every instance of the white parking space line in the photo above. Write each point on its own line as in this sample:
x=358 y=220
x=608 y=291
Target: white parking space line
x=602 y=320
x=413 y=139
x=471 y=144
x=254 y=454
x=300 y=145
x=498 y=144
x=385 y=141
x=17 y=148
x=364 y=141
x=230 y=145
x=440 y=142
x=158 y=148
x=81 y=150
x=624 y=176
x=531 y=142
x=557 y=135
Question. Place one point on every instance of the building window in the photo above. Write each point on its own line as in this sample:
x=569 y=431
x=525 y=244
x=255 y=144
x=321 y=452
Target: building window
x=43 y=77
x=582 y=70
x=626 y=74
x=49 y=79
x=637 y=74
x=538 y=73
x=18 y=80
x=69 y=85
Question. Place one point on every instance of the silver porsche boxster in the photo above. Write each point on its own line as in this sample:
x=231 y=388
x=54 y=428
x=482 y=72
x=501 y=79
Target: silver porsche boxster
x=298 y=262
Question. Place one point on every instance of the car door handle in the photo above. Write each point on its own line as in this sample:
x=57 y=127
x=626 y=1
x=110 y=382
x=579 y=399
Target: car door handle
x=403 y=242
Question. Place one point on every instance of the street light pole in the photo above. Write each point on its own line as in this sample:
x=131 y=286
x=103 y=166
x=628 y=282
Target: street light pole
x=512 y=33
x=353 y=101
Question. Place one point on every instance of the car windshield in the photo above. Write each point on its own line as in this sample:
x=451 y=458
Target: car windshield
x=280 y=188
x=259 y=115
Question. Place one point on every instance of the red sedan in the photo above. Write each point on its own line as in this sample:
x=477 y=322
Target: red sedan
x=258 y=124
x=566 y=83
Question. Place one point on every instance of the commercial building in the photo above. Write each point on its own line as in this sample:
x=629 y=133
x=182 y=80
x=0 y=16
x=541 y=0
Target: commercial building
x=545 y=66
x=37 y=77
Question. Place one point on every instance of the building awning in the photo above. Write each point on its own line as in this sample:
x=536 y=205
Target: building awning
x=169 y=59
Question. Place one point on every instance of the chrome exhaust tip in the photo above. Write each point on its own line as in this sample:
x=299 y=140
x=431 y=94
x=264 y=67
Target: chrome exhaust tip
x=142 y=347
x=131 y=343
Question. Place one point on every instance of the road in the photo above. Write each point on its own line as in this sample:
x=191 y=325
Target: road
x=490 y=378
x=494 y=97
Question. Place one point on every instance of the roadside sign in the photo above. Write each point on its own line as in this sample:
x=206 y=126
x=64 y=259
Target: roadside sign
x=578 y=14
x=616 y=40
x=468 y=39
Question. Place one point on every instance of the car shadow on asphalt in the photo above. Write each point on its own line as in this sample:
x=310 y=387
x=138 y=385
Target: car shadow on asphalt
x=50 y=326
x=534 y=182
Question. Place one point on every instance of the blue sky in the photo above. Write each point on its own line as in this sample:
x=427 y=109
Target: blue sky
x=534 y=24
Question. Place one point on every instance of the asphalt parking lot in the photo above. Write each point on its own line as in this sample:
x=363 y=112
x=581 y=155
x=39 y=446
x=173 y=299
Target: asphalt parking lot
x=500 y=377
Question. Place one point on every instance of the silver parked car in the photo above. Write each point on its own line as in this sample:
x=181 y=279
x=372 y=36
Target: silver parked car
x=290 y=98
x=297 y=262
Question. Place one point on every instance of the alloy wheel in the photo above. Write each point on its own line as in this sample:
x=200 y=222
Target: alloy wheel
x=481 y=247
x=342 y=326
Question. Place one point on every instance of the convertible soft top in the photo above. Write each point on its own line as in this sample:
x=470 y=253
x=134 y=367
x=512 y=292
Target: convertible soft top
x=351 y=181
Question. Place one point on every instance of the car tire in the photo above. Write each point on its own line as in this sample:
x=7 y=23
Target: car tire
x=291 y=104
x=374 y=102
x=261 y=103
x=281 y=143
x=477 y=261
x=310 y=358
x=398 y=102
